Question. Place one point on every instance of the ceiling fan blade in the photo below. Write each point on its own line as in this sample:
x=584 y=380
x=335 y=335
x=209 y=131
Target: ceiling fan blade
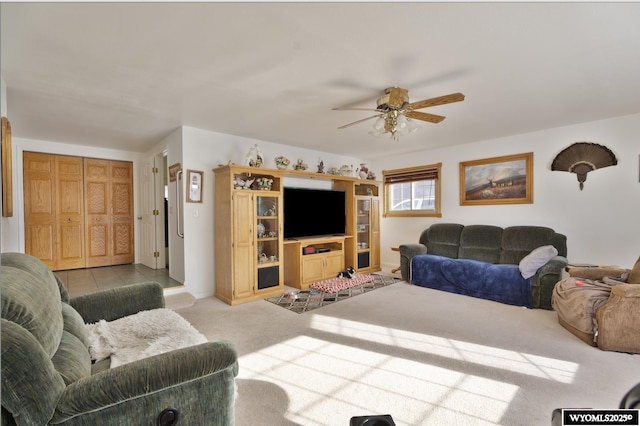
x=353 y=109
x=432 y=118
x=440 y=100
x=360 y=121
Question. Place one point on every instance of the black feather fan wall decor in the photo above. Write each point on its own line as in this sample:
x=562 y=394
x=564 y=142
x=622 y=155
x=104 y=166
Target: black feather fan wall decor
x=583 y=157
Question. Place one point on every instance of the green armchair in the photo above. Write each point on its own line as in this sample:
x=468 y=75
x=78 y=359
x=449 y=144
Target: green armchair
x=48 y=376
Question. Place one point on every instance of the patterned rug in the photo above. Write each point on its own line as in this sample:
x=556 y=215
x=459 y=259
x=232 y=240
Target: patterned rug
x=300 y=301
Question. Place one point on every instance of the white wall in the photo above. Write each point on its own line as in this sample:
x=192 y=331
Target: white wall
x=601 y=222
x=204 y=150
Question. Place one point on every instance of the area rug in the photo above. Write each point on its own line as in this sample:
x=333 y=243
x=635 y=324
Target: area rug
x=300 y=301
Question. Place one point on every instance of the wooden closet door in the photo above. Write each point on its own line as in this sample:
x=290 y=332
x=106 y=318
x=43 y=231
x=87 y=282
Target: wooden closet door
x=97 y=201
x=108 y=212
x=39 y=206
x=121 y=186
x=69 y=213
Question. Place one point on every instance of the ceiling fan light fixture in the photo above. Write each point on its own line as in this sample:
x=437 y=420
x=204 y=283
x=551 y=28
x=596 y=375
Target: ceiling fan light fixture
x=397 y=116
x=378 y=128
x=412 y=126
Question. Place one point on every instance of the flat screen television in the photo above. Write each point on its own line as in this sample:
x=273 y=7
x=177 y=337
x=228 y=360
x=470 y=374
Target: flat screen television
x=314 y=212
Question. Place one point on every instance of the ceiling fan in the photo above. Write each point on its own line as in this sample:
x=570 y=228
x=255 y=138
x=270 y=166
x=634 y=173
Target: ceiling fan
x=396 y=113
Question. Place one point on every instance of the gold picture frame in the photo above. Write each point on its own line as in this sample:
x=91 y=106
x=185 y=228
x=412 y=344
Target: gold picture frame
x=194 y=186
x=173 y=169
x=497 y=180
x=7 y=183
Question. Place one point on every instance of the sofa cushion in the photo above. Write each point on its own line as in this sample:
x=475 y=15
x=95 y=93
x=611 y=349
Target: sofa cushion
x=35 y=267
x=31 y=386
x=443 y=239
x=74 y=324
x=518 y=241
x=535 y=260
x=72 y=360
x=619 y=320
x=480 y=242
x=34 y=304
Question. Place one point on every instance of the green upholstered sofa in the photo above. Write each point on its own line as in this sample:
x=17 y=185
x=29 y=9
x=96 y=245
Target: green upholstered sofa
x=48 y=376
x=494 y=245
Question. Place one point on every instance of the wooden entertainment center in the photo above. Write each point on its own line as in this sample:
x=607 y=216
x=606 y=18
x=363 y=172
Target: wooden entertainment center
x=254 y=261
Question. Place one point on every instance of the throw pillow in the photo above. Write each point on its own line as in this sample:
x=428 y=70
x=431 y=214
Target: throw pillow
x=530 y=264
x=634 y=275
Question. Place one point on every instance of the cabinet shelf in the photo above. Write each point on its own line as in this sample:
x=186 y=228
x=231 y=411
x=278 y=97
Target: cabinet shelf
x=267 y=239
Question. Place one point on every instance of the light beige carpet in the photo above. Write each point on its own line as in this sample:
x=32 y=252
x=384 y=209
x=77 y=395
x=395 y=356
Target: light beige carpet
x=424 y=356
x=179 y=301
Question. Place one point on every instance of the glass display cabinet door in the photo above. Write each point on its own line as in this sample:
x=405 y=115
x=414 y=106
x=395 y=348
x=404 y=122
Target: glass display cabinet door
x=363 y=225
x=268 y=241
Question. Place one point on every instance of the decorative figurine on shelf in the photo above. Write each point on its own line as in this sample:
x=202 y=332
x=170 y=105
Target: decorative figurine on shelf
x=371 y=175
x=239 y=183
x=320 y=165
x=300 y=165
x=264 y=183
x=254 y=157
x=282 y=162
x=346 y=170
x=260 y=228
x=362 y=171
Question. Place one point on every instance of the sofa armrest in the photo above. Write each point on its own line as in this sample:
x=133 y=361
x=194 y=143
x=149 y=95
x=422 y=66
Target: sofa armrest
x=407 y=251
x=198 y=381
x=597 y=273
x=119 y=302
x=544 y=280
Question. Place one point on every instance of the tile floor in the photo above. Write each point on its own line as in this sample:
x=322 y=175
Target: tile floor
x=84 y=281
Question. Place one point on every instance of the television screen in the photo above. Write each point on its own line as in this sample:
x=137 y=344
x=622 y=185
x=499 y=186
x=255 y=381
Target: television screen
x=313 y=212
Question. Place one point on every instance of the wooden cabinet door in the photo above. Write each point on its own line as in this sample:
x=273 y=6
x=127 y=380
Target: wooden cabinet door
x=69 y=213
x=334 y=264
x=121 y=220
x=39 y=206
x=313 y=267
x=97 y=201
x=244 y=253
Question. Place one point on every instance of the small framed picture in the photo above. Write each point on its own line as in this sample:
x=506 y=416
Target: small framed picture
x=173 y=169
x=194 y=186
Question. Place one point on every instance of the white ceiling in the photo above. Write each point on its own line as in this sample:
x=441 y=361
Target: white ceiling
x=123 y=75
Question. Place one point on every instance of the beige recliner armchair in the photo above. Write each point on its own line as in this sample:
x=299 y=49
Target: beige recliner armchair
x=601 y=306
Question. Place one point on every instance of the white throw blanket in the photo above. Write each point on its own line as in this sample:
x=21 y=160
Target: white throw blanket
x=141 y=335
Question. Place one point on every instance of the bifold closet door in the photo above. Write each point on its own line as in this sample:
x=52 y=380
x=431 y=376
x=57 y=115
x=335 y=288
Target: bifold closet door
x=108 y=212
x=54 y=211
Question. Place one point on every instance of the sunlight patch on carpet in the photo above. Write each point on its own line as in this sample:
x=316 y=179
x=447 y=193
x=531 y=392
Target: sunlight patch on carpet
x=367 y=382
x=518 y=362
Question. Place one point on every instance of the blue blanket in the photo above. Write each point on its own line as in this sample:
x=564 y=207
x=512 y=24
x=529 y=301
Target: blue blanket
x=498 y=282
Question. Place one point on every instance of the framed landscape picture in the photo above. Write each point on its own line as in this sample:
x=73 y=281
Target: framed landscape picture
x=497 y=180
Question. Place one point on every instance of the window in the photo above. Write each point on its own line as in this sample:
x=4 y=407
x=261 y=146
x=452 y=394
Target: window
x=413 y=191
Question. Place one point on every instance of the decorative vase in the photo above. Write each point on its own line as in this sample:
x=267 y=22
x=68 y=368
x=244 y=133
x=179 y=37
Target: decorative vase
x=363 y=171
